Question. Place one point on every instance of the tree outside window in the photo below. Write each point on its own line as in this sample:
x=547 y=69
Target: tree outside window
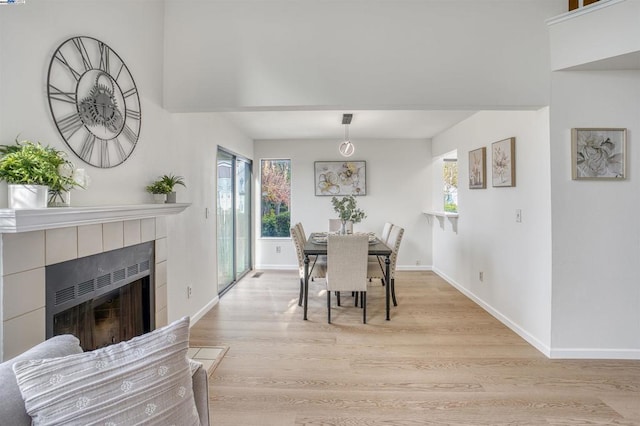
x=276 y=198
x=450 y=179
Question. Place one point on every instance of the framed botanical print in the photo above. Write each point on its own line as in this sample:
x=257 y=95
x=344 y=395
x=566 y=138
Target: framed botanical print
x=478 y=168
x=340 y=177
x=598 y=153
x=503 y=162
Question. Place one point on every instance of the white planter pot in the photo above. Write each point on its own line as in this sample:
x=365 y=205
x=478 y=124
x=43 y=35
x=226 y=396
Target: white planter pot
x=28 y=196
x=159 y=198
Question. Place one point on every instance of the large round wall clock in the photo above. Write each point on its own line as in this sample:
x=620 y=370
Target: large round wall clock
x=94 y=101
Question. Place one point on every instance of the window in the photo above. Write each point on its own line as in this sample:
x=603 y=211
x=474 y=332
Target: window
x=275 y=204
x=450 y=180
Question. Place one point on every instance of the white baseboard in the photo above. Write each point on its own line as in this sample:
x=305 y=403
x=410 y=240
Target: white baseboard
x=276 y=267
x=554 y=353
x=595 y=353
x=532 y=340
x=414 y=268
x=203 y=311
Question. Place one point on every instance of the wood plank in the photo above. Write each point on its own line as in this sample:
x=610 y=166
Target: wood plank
x=440 y=360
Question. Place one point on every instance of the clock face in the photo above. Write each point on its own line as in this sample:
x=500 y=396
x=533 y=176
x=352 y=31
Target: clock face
x=94 y=101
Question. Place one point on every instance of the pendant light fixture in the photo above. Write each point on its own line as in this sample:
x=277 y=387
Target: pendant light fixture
x=346 y=148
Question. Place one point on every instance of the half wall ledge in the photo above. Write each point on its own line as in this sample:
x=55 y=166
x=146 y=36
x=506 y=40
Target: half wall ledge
x=24 y=220
x=441 y=215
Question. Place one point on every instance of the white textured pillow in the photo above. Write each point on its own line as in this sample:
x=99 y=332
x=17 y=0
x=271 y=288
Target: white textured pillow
x=144 y=380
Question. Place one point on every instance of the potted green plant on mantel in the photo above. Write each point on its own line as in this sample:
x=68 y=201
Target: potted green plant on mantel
x=159 y=191
x=163 y=188
x=32 y=171
x=347 y=210
x=171 y=181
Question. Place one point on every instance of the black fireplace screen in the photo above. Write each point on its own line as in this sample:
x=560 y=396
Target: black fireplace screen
x=102 y=299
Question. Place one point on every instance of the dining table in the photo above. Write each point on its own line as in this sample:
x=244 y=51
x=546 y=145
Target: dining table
x=317 y=246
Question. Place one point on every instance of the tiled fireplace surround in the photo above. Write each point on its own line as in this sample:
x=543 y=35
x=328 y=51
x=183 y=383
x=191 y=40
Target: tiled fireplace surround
x=26 y=252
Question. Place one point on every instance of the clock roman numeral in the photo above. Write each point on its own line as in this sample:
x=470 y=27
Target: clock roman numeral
x=70 y=124
x=58 y=95
x=60 y=57
x=130 y=92
x=120 y=151
x=87 y=147
x=119 y=71
x=104 y=57
x=129 y=134
x=133 y=114
x=79 y=44
x=104 y=154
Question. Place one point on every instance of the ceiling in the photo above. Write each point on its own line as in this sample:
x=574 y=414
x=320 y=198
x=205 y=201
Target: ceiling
x=366 y=124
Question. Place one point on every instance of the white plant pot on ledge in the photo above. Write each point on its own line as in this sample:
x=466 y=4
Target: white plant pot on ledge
x=159 y=198
x=28 y=196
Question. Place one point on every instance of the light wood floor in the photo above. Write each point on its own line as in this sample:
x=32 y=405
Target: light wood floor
x=441 y=360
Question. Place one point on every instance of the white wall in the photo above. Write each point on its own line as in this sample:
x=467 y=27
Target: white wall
x=596 y=232
x=373 y=54
x=514 y=257
x=192 y=235
x=588 y=38
x=398 y=190
x=180 y=144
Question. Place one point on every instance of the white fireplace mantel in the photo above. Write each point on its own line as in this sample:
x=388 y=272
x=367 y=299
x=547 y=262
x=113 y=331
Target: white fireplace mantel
x=25 y=220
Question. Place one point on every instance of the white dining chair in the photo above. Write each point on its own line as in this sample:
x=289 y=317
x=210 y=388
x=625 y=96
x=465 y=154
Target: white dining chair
x=347 y=268
x=317 y=266
x=376 y=268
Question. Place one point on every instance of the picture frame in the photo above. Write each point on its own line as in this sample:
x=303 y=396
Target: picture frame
x=503 y=163
x=335 y=178
x=478 y=168
x=598 y=153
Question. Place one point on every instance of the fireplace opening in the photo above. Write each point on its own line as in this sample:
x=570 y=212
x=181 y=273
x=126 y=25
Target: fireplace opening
x=112 y=318
x=102 y=299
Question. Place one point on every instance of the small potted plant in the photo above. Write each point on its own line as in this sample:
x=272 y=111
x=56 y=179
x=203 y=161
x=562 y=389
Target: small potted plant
x=171 y=181
x=347 y=210
x=31 y=170
x=159 y=190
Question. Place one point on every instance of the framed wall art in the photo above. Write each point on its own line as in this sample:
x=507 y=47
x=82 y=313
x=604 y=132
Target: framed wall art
x=503 y=163
x=340 y=177
x=598 y=153
x=478 y=168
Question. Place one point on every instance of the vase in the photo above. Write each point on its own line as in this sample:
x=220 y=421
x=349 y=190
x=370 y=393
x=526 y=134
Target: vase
x=171 y=197
x=59 y=199
x=28 y=196
x=159 y=198
x=343 y=228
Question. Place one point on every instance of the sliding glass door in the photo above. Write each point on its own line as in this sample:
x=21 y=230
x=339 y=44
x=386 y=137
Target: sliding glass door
x=233 y=218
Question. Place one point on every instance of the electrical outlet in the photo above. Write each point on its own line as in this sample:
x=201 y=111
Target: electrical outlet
x=481 y=276
x=189 y=291
x=518 y=215
x=278 y=249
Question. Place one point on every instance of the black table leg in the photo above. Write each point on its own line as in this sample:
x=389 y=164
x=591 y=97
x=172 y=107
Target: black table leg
x=306 y=284
x=387 y=275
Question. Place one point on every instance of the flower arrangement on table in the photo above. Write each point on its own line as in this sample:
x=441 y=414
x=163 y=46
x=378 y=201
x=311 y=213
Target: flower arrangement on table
x=347 y=210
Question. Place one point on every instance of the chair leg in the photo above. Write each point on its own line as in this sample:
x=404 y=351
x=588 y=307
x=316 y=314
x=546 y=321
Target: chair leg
x=364 y=307
x=355 y=298
x=338 y=296
x=328 y=307
x=301 y=292
x=393 y=291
